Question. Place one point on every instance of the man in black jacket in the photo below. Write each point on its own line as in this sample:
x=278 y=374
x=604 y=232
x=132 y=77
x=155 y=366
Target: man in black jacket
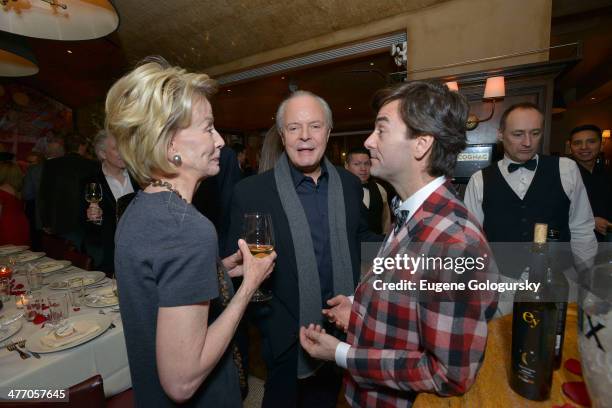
x=60 y=197
x=115 y=182
x=374 y=195
x=319 y=221
x=585 y=144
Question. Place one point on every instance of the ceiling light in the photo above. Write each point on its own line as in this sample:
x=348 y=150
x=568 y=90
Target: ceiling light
x=69 y=52
x=16 y=58
x=350 y=108
x=67 y=20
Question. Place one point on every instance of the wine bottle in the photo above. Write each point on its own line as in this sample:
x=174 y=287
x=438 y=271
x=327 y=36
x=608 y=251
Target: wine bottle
x=560 y=287
x=534 y=323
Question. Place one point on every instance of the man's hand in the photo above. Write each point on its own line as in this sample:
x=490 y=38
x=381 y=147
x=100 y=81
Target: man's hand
x=94 y=212
x=317 y=343
x=340 y=311
x=601 y=225
x=233 y=264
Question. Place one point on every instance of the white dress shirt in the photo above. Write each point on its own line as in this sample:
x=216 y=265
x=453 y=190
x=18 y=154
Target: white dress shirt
x=366 y=195
x=119 y=189
x=411 y=204
x=581 y=221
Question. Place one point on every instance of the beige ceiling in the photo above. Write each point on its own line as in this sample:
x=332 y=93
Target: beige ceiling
x=201 y=34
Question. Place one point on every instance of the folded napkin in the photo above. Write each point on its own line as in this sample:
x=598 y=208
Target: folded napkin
x=82 y=328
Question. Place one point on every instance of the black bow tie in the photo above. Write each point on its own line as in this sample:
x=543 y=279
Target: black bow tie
x=529 y=165
x=366 y=186
x=400 y=215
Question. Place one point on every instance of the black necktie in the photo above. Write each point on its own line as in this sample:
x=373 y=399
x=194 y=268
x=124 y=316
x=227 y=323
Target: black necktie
x=400 y=215
x=529 y=165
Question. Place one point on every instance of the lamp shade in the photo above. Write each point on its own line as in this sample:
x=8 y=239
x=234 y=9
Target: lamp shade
x=80 y=20
x=495 y=88
x=605 y=134
x=16 y=58
x=452 y=85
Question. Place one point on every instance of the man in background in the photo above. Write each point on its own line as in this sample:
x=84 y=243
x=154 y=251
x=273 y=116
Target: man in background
x=524 y=188
x=585 y=144
x=374 y=195
x=115 y=182
x=61 y=193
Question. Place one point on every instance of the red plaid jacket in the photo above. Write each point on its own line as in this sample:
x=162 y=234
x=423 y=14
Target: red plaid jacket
x=401 y=345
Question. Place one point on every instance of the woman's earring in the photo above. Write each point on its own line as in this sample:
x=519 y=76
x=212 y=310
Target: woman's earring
x=176 y=159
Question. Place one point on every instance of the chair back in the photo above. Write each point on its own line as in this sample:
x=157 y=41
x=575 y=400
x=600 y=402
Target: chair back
x=54 y=246
x=78 y=259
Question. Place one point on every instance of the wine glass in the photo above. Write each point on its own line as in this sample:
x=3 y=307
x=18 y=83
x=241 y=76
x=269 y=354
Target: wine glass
x=258 y=233
x=93 y=195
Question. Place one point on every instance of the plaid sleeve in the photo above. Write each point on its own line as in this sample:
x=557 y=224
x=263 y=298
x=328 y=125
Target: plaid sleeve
x=452 y=338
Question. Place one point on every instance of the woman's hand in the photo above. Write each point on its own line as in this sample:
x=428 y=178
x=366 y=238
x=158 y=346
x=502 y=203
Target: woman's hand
x=255 y=270
x=94 y=212
x=233 y=264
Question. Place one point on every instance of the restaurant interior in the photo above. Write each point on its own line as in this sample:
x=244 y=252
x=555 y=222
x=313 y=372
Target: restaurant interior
x=59 y=58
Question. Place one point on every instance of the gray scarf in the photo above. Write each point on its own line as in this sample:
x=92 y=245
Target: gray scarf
x=308 y=275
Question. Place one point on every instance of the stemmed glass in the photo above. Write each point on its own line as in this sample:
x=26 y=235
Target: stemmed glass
x=258 y=233
x=93 y=195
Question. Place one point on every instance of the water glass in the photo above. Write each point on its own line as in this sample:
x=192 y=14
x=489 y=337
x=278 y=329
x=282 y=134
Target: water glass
x=34 y=277
x=32 y=305
x=58 y=308
x=5 y=289
x=77 y=292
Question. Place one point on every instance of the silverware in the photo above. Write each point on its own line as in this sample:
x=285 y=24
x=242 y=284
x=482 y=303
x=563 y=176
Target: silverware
x=21 y=342
x=13 y=347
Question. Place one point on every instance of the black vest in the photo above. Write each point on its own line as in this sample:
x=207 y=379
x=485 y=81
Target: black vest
x=507 y=218
x=376 y=208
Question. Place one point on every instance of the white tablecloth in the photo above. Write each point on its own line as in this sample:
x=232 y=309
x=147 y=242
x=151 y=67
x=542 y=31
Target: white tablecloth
x=105 y=355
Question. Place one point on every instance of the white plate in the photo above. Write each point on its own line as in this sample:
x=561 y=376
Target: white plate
x=68 y=281
x=102 y=297
x=104 y=321
x=46 y=267
x=28 y=256
x=10 y=329
x=12 y=249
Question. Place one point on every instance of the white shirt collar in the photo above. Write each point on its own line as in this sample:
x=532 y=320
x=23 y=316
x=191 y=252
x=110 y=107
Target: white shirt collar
x=413 y=202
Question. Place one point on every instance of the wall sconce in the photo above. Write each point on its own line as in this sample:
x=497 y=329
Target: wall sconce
x=605 y=136
x=452 y=85
x=494 y=89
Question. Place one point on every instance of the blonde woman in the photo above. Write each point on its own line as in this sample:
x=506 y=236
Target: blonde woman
x=178 y=307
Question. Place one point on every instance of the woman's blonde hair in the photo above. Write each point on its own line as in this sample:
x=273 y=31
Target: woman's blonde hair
x=146 y=107
x=11 y=174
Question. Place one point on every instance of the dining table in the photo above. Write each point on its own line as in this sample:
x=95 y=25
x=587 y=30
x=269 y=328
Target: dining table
x=492 y=387
x=105 y=354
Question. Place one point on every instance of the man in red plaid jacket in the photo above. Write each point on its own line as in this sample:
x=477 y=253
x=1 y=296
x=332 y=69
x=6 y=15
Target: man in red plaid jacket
x=402 y=342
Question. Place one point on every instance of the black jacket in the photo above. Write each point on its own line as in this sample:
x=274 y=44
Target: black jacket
x=280 y=319
x=61 y=196
x=104 y=235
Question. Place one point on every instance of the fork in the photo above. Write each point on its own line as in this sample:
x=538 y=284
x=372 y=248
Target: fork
x=21 y=342
x=13 y=347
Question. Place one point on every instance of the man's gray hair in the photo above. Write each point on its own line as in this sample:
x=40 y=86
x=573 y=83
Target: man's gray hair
x=99 y=143
x=280 y=113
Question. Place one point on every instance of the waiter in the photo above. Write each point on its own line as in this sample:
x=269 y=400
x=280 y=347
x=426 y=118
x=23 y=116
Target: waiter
x=585 y=144
x=374 y=195
x=525 y=188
